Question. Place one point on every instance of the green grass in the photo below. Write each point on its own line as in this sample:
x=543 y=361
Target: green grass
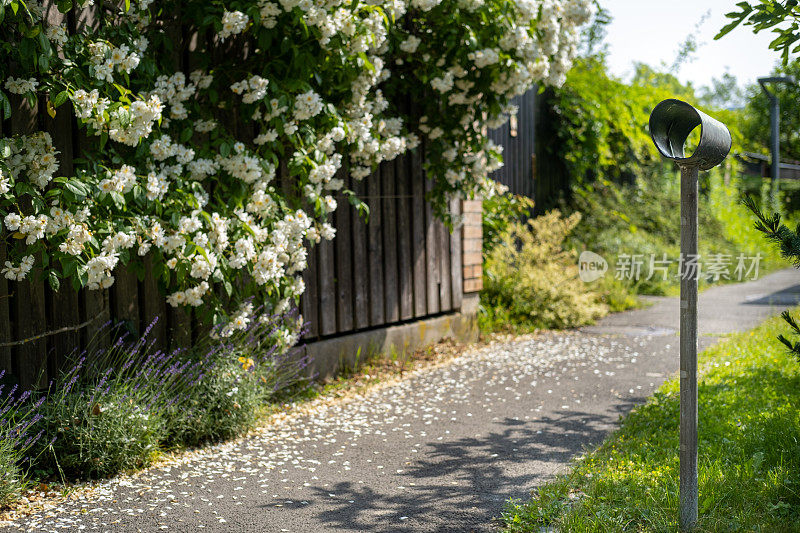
x=749 y=459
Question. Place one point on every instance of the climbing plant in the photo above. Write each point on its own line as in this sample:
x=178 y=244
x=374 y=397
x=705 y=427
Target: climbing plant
x=193 y=109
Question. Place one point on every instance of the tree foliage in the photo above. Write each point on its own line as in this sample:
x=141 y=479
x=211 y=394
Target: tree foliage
x=788 y=241
x=782 y=17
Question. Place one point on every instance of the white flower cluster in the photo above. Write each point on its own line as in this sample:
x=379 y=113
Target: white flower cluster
x=20 y=85
x=252 y=89
x=238 y=321
x=105 y=58
x=307 y=105
x=130 y=124
x=33 y=158
x=18 y=272
x=233 y=23
x=5 y=183
x=174 y=91
x=99 y=268
x=57 y=34
x=269 y=12
x=121 y=181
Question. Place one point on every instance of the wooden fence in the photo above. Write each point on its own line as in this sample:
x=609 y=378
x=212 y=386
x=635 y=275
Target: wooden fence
x=518 y=138
x=402 y=265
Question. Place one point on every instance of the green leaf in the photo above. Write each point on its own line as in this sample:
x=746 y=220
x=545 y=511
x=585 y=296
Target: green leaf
x=6 y=105
x=77 y=188
x=52 y=278
x=60 y=98
x=64 y=5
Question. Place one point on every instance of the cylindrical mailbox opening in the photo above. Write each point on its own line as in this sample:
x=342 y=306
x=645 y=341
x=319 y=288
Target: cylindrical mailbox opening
x=671 y=124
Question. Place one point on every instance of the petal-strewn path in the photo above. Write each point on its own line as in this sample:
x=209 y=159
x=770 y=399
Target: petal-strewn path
x=440 y=450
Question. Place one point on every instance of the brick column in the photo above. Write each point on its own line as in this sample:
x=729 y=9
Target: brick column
x=473 y=256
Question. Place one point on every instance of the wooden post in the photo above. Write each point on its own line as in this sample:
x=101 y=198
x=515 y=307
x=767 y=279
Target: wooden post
x=688 y=349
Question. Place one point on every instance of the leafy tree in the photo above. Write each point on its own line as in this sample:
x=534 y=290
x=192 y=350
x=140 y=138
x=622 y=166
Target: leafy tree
x=755 y=118
x=724 y=92
x=781 y=16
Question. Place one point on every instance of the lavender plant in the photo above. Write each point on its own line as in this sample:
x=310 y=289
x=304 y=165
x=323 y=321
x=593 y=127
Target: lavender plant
x=17 y=437
x=117 y=408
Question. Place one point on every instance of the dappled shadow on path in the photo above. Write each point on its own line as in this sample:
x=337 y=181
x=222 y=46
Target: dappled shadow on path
x=461 y=485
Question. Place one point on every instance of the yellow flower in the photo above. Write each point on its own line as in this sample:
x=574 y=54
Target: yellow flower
x=247 y=363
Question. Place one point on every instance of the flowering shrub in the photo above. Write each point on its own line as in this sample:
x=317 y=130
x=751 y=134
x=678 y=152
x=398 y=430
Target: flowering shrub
x=181 y=163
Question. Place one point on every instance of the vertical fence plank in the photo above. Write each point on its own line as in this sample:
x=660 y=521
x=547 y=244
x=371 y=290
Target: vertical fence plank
x=309 y=299
x=28 y=303
x=445 y=286
x=360 y=262
x=375 y=248
x=62 y=305
x=418 y=250
x=94 y=306
x=344 y=263
x=31 y=320
x=432 y=253
x=456 y=260
x=404 y=257
x=327 y=288
x=179 y=327
x=389 y=225
x=153 y=306
x=6 y=334
x=125 y=300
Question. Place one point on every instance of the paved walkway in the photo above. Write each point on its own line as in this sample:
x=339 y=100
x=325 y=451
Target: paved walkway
x=438 y=451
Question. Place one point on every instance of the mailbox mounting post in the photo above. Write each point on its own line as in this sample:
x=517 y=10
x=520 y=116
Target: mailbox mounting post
x=671 y=122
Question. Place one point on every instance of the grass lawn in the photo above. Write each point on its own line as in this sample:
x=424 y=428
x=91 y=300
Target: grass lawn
x=749 y=459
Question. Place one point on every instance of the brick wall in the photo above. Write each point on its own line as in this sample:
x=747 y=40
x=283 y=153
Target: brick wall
x=473 y=246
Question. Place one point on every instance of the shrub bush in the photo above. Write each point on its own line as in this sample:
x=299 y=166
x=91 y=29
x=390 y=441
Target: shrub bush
x=500 y=211
x=531 y=280
x=117 y=409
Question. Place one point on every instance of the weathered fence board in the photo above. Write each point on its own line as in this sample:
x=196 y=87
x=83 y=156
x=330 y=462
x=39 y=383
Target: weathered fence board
x=309 y=301
x=432 y=266
x=344 y=262
x=391 y=284
x=418 y=248
x=153 y=307
x=327 y=288
x=6 y=333
x=360 y=273
x=375 y=249
x=404 y=257
x=456 y=259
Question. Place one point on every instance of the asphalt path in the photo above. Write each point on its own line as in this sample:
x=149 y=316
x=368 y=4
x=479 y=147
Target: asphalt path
x=440 y=450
